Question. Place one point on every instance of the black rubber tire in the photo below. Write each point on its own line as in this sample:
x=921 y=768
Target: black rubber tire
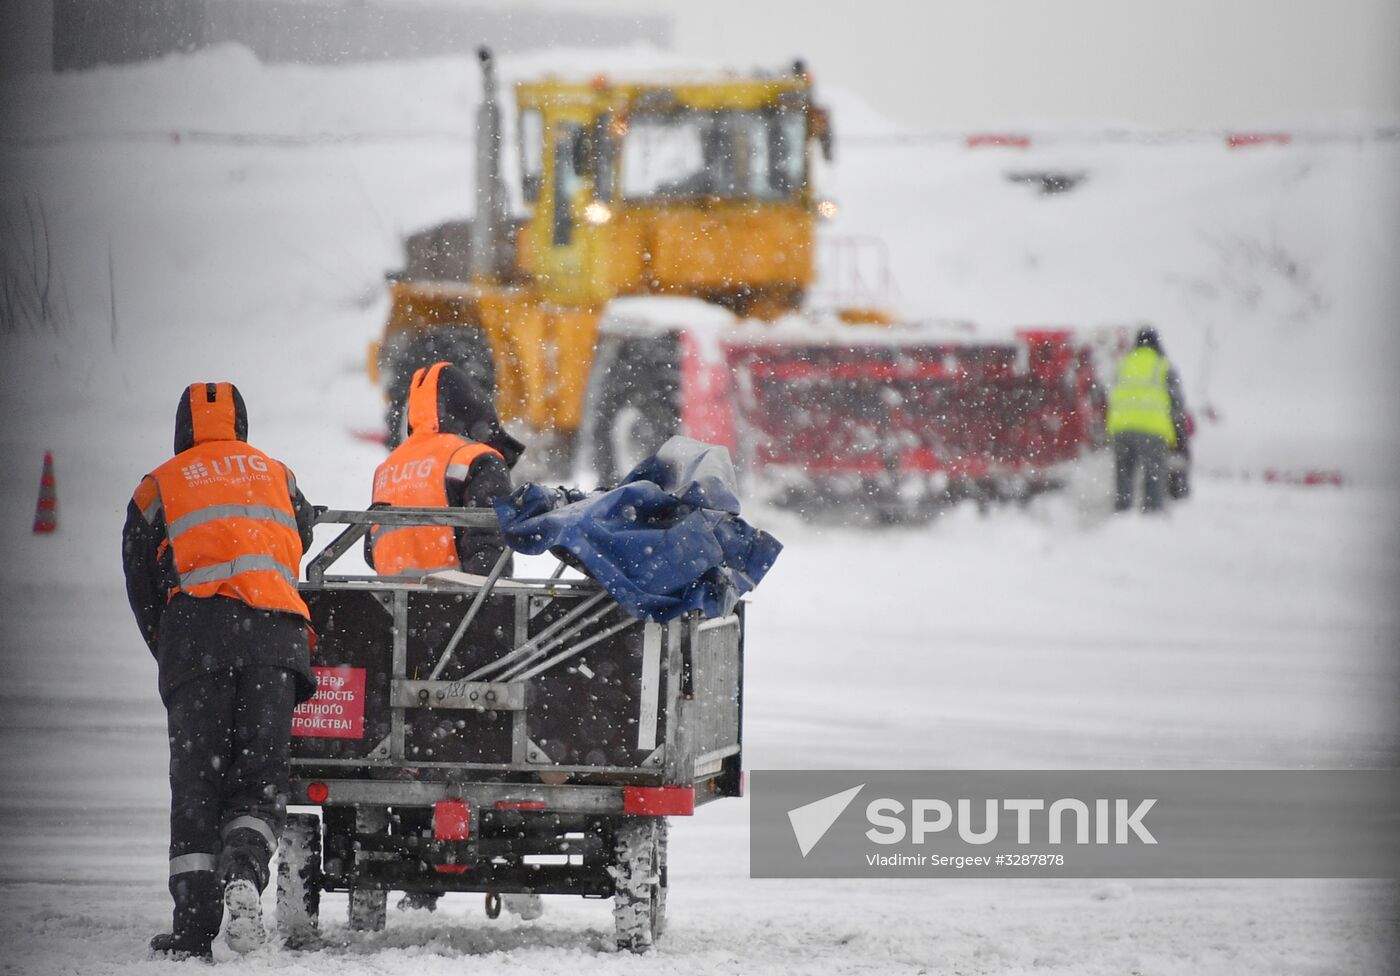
x=639 y=409
x=640 y=882
x=299 y=881
x=369 y=906
x=463 y=346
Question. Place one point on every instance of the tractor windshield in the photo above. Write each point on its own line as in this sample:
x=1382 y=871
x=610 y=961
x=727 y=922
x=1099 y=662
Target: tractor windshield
x=734 y=154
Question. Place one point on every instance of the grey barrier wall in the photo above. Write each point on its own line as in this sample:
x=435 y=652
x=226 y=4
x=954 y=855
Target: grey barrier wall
x=87 y=33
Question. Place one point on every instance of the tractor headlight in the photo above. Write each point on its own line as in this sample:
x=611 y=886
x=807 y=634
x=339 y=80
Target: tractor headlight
x=827 y=209
x=597 y=213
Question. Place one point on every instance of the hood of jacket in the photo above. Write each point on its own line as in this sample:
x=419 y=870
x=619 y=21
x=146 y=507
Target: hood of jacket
x=443 y=398
x=209 y=412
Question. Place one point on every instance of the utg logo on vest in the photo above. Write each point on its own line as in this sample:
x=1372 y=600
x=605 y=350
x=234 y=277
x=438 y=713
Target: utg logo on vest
x=241 y=466
x=407 y=471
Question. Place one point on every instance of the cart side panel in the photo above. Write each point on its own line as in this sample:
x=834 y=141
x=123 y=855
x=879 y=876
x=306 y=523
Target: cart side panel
x=605 y=707
x=712 y=714
x=457 y=735
x=354 y=636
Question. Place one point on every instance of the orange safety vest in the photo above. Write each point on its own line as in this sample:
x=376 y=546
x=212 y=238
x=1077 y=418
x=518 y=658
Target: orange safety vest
x=230 y=522
x=415 y=476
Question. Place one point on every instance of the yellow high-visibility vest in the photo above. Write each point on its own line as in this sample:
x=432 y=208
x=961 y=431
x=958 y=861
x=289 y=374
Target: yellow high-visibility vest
x=1139 y=401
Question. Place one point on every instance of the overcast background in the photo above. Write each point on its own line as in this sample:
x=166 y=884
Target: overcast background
x=934 y=64
x=1154 y=63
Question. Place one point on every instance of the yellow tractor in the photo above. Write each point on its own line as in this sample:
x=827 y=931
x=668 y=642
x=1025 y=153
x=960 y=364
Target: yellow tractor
x=697 y=194
x=698 y=188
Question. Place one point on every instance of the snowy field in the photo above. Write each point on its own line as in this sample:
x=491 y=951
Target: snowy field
x=211 y=218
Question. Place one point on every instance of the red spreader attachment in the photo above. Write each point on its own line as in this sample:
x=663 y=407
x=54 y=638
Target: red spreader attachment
x=658 y=801
x=452 y=820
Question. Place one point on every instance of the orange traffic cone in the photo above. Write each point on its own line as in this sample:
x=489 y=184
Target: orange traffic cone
x=46 y=512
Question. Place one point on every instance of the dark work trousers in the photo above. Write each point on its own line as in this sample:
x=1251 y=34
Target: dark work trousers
x=230 y=739
x=1131 y=451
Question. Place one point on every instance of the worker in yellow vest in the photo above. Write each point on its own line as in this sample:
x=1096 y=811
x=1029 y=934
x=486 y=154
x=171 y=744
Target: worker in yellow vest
x=1146 y=419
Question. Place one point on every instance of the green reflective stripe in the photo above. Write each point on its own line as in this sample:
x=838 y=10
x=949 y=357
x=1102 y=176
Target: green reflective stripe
x=254 y=824
x=186 y=863
x=212 y=513
x=243 y=564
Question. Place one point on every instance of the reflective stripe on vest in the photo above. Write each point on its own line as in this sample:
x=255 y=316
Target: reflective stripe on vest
x=264 y=512
x=232 y=568
x=231 y=526
x=415 y=476
x=1139 y=401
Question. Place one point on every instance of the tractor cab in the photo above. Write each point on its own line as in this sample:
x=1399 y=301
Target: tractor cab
x=700 y=189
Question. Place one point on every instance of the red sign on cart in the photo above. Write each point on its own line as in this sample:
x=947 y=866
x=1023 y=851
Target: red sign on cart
x=337 y=711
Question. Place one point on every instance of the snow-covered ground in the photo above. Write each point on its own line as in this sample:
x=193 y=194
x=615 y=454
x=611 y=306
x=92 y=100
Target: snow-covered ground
x=248 y=212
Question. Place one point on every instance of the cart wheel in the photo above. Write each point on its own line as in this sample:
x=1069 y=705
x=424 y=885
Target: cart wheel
x=664 y=827
x=638 y=408
x=368 y=907
x=299 y=881
x=493 y=905
x=639 y=876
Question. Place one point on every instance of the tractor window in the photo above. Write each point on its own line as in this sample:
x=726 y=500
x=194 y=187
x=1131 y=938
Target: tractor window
x=603 y=161
x=689 y=153
x=787 y=151
x=531 y=154
x=566 y=181
x=662 y=155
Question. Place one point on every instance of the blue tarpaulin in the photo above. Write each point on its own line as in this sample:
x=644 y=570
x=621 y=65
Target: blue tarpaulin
x=666 y=540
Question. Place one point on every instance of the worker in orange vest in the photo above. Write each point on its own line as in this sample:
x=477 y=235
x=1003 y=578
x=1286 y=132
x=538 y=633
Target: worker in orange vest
x=456 y=455
x=212 y=549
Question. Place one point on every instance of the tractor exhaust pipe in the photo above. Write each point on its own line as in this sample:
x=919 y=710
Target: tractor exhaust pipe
x=490 y=251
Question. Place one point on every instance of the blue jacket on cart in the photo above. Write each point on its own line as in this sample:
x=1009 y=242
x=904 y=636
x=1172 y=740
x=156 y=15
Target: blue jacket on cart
x=666 y=540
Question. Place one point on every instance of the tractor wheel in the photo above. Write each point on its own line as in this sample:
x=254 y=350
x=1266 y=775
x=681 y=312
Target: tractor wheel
x=639 y=408
x=639 y=876
x=299 y=881
x=463 y=346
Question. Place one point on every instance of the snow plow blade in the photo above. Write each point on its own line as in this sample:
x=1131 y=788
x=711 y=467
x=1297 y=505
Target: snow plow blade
x=840 y=414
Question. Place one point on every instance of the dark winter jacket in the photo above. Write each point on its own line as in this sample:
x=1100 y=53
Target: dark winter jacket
x=189 y=636
x=465 y=407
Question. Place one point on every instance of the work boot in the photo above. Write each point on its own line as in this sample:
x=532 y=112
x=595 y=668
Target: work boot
x=528 y=907
x=426 y=900
x=175 y=946
x=195 y=921
x=243 y=925
x=243 y=868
